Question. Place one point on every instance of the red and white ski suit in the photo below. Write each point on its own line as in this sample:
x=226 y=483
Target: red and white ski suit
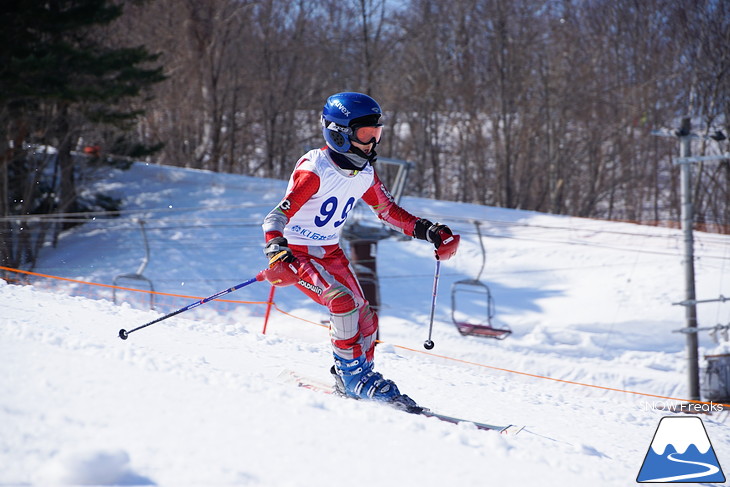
x=311 y=217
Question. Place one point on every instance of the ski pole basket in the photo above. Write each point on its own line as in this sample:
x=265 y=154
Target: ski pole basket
x=473 y=298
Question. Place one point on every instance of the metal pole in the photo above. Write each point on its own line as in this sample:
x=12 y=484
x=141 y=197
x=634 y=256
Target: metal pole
x=693 y=373
x=428 y=344
x=685 y=162
x=269 y=304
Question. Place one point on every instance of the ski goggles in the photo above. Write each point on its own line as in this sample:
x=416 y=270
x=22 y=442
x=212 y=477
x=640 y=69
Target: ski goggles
x=367 y=134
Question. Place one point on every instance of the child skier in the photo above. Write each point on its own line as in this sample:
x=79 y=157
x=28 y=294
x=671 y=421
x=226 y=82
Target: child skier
x=302 y=238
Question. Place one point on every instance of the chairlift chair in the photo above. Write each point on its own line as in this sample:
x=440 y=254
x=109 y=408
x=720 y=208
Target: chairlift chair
x=138 y=276
x=479 y=295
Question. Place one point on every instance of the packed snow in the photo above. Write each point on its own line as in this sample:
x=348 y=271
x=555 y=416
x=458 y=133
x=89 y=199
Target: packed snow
x=196 y=400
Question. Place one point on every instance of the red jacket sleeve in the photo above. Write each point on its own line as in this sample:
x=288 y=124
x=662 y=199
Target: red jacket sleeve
x=381 y=201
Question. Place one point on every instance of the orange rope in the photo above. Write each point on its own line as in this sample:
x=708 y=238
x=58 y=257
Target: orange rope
x=445 y=357
x=125 y=288
x=564 y=381
x=526 y=374
x=298 y=317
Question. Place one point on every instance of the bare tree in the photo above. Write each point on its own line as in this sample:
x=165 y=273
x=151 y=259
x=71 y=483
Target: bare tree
x=537 y=104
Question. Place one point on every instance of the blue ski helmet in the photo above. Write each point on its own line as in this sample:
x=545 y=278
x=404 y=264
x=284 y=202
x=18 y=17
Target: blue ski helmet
x=342 y=113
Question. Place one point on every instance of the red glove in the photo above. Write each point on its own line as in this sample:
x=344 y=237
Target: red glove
x=440 y=236
x=283 y=265
x=280 y=273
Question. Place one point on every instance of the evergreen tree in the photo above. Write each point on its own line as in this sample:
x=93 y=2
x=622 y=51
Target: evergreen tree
x=62 y=81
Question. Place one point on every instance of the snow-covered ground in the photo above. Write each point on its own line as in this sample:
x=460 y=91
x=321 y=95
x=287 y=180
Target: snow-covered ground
x=195 y=399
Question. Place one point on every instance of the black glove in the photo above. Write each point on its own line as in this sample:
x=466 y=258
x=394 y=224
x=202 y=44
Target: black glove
x=431 y=232
x=277 y=249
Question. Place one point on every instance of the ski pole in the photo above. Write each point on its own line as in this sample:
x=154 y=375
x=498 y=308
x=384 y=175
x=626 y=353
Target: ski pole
x=124 y=334
x=428 y=344
x=279 y=273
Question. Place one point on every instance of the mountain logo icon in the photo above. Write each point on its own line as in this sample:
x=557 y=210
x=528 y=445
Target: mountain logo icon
x=681 y=452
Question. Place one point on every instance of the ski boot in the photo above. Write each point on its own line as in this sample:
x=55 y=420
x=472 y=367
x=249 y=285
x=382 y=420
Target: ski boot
x=356 y=379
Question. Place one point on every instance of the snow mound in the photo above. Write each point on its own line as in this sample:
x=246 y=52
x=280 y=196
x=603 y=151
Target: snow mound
x=90 y=467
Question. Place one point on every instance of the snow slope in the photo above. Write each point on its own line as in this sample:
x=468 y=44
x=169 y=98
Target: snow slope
x=195 y=400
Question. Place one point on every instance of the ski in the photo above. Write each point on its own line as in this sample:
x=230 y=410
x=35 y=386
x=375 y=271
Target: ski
x=293 y=377
x=510 y=429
